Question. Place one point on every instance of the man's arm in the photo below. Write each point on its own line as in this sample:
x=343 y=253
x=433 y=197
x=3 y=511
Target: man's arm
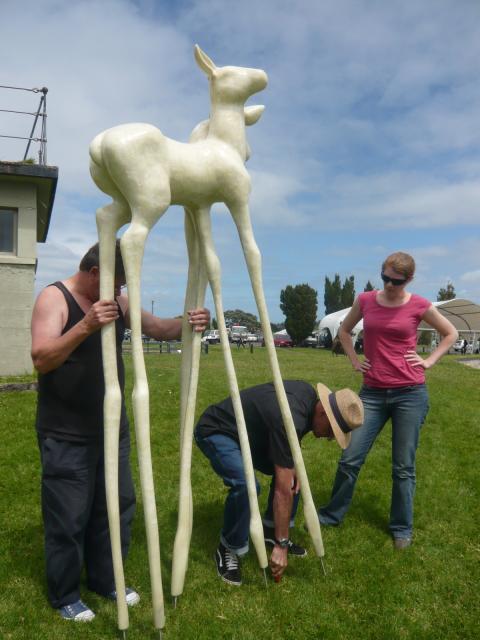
x=50 y=348
x=285 y=487
x=167 y=328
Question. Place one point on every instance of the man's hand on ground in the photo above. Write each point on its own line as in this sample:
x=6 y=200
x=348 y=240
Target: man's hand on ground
x=278 y=561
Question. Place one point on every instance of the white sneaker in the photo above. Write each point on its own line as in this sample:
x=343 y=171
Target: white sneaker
x=78 y=611
x=131 y=596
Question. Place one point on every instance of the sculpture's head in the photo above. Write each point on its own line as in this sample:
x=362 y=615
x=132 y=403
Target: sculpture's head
x=231 y=84
x=252 y=115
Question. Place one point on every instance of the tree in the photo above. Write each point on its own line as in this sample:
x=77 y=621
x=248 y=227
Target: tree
x=333 y=294
x=369 y=287
x=337 y=296
x=242 y=318
x=214 y=323
x=348 y=292
x=425 y=338
x=299 y=306
x=447 y=293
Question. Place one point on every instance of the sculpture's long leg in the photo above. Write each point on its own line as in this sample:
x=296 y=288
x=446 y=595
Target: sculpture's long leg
x=194 y=298
x=132 y=245
x=213 y=270
x=191 y=347
x=241 y=216
x=109 y=220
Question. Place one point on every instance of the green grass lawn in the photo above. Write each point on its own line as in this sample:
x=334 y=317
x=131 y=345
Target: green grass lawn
x=370 y=591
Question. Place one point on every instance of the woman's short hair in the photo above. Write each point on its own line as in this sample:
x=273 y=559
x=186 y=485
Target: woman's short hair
x=92 y=259
x=401 y=263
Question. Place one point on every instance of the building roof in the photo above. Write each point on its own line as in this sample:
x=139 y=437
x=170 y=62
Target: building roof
x=44 y=178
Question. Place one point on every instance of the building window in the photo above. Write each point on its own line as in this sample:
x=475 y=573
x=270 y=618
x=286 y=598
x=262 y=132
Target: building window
x=8 y=231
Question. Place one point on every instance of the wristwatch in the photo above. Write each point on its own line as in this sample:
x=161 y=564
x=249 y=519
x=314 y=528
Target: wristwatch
x=283 y=542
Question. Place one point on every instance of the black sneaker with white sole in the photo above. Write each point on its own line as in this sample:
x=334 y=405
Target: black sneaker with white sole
x=293 y=549
x=228 y=565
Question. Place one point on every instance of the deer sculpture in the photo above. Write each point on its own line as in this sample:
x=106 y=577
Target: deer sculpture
x=145 y=172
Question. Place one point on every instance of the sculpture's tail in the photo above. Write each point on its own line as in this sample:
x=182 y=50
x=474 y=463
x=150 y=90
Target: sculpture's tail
x=96 y=149
x=98 y=171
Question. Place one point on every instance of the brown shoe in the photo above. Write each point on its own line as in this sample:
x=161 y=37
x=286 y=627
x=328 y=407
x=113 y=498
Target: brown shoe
x=402 y=543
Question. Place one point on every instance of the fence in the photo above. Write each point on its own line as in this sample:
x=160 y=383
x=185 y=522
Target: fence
x=39 y=114
x=152 y=346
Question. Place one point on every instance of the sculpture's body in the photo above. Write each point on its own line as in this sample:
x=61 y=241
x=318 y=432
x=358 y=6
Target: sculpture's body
x=145 y=172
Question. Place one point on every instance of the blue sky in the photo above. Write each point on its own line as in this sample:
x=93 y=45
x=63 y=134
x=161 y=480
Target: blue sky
x=369 y=142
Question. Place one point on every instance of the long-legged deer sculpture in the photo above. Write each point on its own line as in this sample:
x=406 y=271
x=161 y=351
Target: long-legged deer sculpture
x=144 y=172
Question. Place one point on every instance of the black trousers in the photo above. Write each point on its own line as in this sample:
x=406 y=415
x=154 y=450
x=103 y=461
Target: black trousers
x=75 y=517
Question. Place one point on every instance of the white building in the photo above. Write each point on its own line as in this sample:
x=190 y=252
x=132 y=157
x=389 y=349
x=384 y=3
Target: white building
x=27 y=192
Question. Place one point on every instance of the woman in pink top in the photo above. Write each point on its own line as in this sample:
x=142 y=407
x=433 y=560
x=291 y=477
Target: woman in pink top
x=393 y=387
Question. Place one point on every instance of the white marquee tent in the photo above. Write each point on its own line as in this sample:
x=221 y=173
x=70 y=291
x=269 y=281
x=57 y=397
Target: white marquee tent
x=463 y=314
x=333 y=321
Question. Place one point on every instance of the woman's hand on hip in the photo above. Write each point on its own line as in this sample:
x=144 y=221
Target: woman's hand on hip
x=362 y=366
x=415 y=360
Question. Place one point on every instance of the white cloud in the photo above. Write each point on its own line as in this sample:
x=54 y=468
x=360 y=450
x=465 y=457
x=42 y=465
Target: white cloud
x=399 y=200
x=370 y=127
x=103 y=64
x=472 y=277
x=270 y=199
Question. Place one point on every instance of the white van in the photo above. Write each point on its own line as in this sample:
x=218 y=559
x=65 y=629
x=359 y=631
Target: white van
x=237 y=333
x=212 y=336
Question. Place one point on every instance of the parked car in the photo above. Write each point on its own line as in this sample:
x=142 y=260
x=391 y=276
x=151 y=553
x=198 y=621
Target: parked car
x=471 y=347
x=311 y=341
x=238 y=333
x=282 y=340
x=325 y=339
x=212 y=336
x=359 y=344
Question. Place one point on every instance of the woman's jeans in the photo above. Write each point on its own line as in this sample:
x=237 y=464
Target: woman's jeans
x=226 y=459
x=407 y=407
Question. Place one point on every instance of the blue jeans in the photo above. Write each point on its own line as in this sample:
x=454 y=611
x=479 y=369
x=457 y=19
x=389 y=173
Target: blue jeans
x=407 y=407
x=226 y=459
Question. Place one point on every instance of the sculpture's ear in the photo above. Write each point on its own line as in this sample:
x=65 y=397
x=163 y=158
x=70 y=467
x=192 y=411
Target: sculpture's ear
x=204 y=62
x=200 y=132
x=253 y=113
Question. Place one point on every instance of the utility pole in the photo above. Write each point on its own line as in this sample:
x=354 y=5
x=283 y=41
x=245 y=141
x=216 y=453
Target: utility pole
x=153 y=302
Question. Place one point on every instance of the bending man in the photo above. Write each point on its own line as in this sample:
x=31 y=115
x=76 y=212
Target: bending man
x=328 y=415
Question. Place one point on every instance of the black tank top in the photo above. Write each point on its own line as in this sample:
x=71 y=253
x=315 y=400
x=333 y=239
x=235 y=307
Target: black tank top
x=70 y=398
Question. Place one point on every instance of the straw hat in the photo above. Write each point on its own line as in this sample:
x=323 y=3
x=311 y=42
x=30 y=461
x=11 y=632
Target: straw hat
x=344 y=410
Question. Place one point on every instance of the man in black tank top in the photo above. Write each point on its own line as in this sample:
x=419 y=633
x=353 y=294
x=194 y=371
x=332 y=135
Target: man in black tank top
x=66 y=352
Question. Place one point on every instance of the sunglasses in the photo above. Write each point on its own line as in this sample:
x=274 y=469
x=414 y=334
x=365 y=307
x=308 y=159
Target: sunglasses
x=395 y=281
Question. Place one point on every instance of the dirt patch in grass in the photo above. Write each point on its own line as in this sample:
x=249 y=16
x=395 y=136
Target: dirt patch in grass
x=475 y=364
x=19 y=386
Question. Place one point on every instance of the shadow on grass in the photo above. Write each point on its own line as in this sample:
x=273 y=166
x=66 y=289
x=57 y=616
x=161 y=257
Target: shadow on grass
x=24 y=556
x=366 y=510
x=207 y=522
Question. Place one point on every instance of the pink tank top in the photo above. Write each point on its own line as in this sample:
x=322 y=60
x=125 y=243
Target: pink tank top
x=388 y=333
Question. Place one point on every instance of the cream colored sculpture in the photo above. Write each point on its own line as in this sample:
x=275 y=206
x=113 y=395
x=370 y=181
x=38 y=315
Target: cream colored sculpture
x=144 y=172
